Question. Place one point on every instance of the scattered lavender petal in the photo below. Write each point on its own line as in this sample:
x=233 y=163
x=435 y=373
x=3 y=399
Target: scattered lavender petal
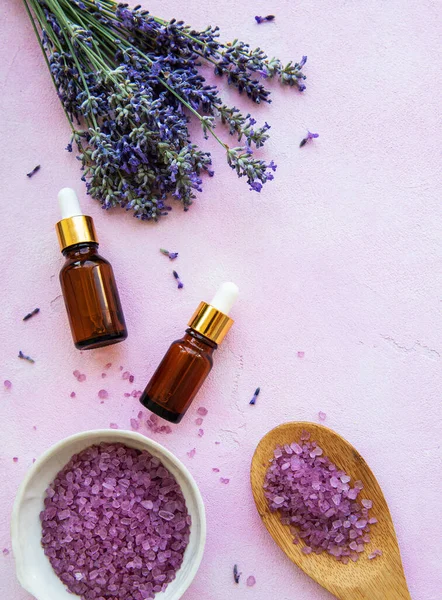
x=267 y=19
x=236 y=574
x=25 y=357
x=7 y=384
x=255 y=396
x=31 y=314
x=309 y=136
x=103 y=394
x=33 y=172
x=202 y=411
x=251 y=581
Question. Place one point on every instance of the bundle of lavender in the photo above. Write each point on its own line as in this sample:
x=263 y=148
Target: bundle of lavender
x=129 y=83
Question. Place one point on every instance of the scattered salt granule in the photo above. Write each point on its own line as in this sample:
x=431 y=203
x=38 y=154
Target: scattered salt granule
x=103 y=394
x=191 y=453
x=316 y=499
x=7 y=384
x=301 y=354
x=217 y=443
x=251 y=581
x=103 y=375
x=202 y=411
x=200 y=432
x=374 y=554
x=199 y=421
x=126 y=375
x=15 y=459
x=107 y=365
x=113 y=426
x=5 y=551
x=140 y=414
x=79 y=376
x=224 y=480
x=131 y=379
x=115 y=523
x=322 y=416
x=126 y=395
x=215 y=469
x=135 y=424
x=72 y=394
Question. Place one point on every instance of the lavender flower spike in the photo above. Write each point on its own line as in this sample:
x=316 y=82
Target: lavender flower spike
x=310 y=136
x=177 y=277
x=236 y=574
x=171 y=255
x=33 y=172
x=25 y=357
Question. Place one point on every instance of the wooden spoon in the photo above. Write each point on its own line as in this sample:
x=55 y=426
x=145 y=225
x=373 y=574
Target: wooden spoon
x=379 y=579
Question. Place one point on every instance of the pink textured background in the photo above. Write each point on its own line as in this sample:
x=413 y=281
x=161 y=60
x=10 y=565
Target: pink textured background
x=338 y=257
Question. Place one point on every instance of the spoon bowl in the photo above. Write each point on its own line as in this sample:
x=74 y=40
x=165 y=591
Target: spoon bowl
x=379 y=579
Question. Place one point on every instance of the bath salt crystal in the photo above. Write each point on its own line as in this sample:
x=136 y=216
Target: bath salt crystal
x=5 y=551
x=251 y=581
x=129 y=539
x=15 y=459
x=224 y=480
x=215 y=469
x=73 y=394
x=313 y=496
x=199 y=421
x=103 y=394
x=7 y=384
x=301 y=354
x=134 y=424
x=108 y=365
x=200 y=432
x=202 y=411
x=191 y=453
x=113 y=426
x=375 y=554
x=322 y=416
x=81 y=377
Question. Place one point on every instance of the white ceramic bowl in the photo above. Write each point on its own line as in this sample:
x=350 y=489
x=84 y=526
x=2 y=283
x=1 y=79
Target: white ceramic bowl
x=34 y=570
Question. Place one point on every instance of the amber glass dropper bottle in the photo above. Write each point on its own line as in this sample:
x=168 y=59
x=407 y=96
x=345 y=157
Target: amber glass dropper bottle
x=87 y=280
x=188 y=361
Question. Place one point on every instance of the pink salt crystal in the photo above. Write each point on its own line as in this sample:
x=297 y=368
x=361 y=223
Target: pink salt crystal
x=202 y=411
x=224 y=480
x=140 y=414
x=127 y=394
x=367 y=503
x=251 y=581
x=134 y=424
x=81 y=377
x=200 y=432
x=307 y=550
x=199 y=421
x=131 y=379
x=215 y=469
x=301 y=354
x=107 y=365
x=15 y=459
x=322 y=416
x=191 y=453
x=76 y=373
x=7 y=384
x=103 y=394
x=126 y=375
x=5 y=551
x=73 y=394
x=113 y=426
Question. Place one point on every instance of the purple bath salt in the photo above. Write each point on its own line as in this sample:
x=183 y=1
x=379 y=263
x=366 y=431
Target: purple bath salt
x=316 y=499
x=115 y=524
x=202 y=411
x=103 y=394
x=251 y=580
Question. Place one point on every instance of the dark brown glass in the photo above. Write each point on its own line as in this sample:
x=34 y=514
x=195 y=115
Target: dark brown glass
x=91 y=298
x=179 y=376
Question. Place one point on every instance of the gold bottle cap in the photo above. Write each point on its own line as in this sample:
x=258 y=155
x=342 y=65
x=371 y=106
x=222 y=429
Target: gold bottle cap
x=76 y=230
x=212 y=320
x=74 y=227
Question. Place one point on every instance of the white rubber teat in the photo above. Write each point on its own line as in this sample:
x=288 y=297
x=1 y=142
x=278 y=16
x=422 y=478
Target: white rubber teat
x=225 y=297
x=69 y=204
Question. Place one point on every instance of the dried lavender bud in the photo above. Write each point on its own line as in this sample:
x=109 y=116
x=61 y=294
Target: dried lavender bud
x=236 y=574
x=177 y=277
x=31 y=314
x=171 y=255
x=260 y=20
x=255 y=396
x=25 y=357
x=310 y=136
x=33 y=172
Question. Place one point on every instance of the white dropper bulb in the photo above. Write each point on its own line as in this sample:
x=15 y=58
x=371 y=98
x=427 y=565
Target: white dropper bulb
x=69 y=204
x=225 y=297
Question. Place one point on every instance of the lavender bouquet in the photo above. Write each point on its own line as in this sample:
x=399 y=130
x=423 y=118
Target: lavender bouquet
x=129 y=83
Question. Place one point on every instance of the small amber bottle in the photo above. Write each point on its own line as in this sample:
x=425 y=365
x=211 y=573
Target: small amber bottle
x=188 y=361
x=87 y=280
